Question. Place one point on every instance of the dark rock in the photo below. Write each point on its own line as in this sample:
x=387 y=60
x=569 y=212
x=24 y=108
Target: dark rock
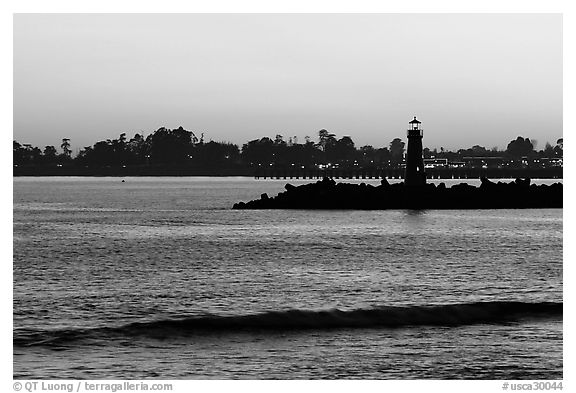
x=326 y=194
x=326 y=181
x=485 y=183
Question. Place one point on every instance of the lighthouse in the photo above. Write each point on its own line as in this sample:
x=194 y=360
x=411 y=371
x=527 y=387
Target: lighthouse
x=415 y=175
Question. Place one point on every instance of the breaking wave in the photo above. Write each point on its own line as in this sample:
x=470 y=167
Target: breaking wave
x=290 y=320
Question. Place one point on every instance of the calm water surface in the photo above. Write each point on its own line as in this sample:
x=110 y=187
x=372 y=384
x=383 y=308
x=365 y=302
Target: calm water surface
x=112 y=279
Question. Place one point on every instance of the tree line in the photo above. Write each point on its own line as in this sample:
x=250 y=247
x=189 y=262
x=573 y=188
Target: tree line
x=180 y=147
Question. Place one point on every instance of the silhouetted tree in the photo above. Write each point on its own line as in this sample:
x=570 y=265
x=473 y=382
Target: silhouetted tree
x=474 y=151
x=478 y=150
x=342 y=151
x=83 y=157
x=170 y=146
x=182 y=148
x=548 y=150
x=520 y=147
x=215 y=155
x=325 y=139
x=66 y=147
x=26 y=154
x=50 y=155
x=258 y=151
x=137 y=149
x=368 y=156
x=36 y=154
x=397 y=150
x=18 y=153
x=559 y=148
x=50 y=152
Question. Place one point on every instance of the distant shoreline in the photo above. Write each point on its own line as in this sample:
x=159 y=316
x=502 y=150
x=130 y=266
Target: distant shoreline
x=285 y=174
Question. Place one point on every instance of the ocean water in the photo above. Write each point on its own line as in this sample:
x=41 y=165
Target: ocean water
x=159 y=278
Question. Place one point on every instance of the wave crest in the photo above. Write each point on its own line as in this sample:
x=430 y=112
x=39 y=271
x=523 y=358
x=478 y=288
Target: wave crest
x=378 y=317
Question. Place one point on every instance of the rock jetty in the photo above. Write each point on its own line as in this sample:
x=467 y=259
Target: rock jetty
x=327 y=194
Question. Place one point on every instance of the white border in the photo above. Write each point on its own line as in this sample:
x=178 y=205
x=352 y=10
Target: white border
x=340 y=6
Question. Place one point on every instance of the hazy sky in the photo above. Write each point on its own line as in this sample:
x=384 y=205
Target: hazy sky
x=470 y=78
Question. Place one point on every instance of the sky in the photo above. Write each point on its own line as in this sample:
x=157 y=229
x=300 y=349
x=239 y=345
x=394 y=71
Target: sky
x=472 y=79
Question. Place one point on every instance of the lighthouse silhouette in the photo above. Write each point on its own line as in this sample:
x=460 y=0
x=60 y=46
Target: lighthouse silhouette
x=415 y=175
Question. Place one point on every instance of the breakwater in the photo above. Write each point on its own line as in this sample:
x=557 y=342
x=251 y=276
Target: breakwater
x=327 y=194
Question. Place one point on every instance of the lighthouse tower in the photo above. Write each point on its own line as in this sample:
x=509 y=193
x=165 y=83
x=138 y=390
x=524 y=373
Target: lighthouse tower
x=415 y=175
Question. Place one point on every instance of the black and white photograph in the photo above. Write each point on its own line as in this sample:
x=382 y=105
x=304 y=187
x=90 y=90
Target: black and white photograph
x=287 y=196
